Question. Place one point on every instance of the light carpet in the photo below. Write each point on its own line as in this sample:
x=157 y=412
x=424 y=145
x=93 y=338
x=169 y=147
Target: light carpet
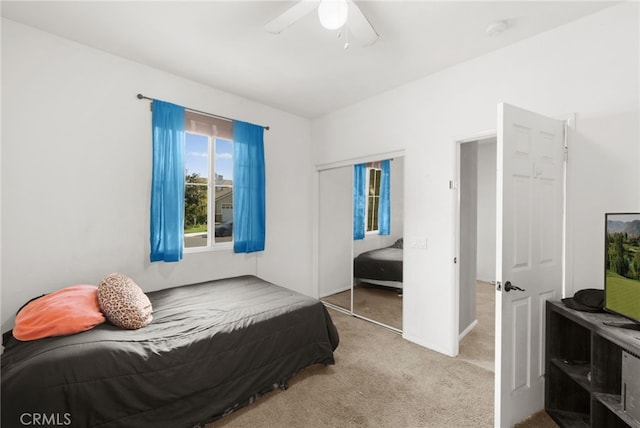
x=381 y=380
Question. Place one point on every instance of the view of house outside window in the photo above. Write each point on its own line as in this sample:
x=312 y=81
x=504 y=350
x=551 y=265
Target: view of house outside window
x=208 y=202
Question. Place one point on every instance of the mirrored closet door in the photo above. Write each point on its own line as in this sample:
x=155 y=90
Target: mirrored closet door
x=362 y=276
x=335 y=232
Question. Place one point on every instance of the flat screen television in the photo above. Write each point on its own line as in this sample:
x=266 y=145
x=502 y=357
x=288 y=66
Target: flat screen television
x=622 y=267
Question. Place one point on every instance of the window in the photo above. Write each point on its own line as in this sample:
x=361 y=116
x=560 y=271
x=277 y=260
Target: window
x=374 y=173
x=208 y=207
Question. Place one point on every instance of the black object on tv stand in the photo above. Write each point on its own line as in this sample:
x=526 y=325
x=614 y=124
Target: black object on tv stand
x=583 y=365
x=621 y=324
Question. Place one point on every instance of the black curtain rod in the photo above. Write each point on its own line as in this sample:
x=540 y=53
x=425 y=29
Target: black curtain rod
x=142 y=97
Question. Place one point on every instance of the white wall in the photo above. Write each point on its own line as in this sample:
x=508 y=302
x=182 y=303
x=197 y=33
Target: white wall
x=76 y=150
x=590 y=67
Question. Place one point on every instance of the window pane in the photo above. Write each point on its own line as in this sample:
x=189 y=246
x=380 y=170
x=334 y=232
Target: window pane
x=374 y=176
x=195 y=215
x=374 y=216
x=196 y=199
x=224 y=214
x=224 y=161
x=378 y=175
x=368 y=227
x=196 y=150
x=224 y=190
x=372 y=181
x=372 y=213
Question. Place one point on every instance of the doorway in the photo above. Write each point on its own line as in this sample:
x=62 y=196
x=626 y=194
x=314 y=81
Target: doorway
x=477 y=250
x=531 y=153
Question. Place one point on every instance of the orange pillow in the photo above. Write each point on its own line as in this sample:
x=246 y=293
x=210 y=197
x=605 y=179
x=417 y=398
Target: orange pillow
x=66 y=311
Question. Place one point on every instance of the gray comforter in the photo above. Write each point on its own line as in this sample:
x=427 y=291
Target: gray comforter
x=211 y=348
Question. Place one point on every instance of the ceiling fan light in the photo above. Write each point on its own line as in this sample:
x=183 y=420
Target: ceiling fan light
x=333 y=13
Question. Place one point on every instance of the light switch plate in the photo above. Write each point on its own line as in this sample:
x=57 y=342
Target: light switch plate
x=417 y=242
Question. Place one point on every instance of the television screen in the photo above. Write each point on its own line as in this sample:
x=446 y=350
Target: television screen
x=622 y=264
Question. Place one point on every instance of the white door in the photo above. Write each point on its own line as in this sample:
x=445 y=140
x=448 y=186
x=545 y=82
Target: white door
x=529 y=250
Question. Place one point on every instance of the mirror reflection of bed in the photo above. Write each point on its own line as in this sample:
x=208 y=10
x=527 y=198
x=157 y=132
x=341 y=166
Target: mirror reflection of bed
x=377 y=284
x=361 y=276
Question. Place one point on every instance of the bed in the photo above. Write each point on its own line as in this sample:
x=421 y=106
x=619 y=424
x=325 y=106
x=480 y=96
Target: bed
x=382 y=266
x=211 y=349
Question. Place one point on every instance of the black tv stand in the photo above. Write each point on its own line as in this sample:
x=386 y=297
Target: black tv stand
x=627 y=325
x=583 y=367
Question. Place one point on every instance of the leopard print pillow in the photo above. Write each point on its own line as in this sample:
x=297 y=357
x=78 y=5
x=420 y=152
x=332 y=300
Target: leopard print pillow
x=123 y=302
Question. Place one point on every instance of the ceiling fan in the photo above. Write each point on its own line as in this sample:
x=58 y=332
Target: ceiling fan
x=333 y=15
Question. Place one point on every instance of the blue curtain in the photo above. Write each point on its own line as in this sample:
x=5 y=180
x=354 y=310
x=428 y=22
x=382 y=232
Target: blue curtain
x=384 y=207
x=248 y=188
x=167 y=182
x=359 y=199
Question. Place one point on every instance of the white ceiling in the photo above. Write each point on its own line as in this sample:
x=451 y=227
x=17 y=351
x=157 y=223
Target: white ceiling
x=303 y=70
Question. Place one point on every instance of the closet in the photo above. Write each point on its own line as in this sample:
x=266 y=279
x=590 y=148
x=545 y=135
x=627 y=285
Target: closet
x=337 y=249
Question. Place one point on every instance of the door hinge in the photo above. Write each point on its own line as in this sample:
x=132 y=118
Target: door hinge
x=453 y=184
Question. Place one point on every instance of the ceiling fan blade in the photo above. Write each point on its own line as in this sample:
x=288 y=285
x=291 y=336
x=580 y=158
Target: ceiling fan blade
x=291 y=15
x=360 y=26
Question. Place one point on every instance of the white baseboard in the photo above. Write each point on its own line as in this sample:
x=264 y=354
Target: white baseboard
x=467 y=330
x=426 y=345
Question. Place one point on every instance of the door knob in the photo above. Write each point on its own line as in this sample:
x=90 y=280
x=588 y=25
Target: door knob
x=508 y=287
